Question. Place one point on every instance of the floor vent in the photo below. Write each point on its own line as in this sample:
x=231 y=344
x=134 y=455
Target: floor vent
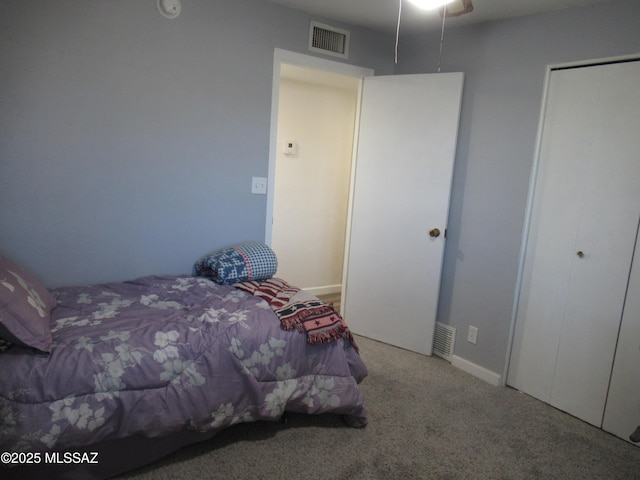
x=328 y=40
x=443 y=341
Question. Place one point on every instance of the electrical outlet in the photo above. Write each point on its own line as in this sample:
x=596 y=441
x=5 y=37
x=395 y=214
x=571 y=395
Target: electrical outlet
x=472 y=336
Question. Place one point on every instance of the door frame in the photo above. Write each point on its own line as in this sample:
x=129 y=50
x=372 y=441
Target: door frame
x=533 y=178
x=281 y=57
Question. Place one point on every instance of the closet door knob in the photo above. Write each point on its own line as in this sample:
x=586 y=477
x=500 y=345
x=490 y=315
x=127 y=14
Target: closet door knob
x=580 y=253
x=434 y=232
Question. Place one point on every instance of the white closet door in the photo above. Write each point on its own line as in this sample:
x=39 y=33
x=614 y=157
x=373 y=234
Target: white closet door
x=583 y=232
x=406 y=148
x=607 y=236
x=561 y=176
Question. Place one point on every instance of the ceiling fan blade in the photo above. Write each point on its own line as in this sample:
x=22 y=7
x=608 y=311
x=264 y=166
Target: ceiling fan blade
x=457 y=8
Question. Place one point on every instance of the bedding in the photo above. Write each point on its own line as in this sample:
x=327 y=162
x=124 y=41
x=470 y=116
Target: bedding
x=248 y=261
x=320 y=322
x=138 y=363
x=25 y=306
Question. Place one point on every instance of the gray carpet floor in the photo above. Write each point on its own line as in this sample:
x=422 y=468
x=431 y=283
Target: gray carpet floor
x=428 y=420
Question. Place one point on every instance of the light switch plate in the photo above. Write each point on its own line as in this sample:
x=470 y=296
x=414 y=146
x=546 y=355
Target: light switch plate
x=259 y=185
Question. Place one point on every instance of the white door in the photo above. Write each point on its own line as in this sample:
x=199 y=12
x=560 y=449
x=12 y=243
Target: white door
x=581 y=242
x=405 y=153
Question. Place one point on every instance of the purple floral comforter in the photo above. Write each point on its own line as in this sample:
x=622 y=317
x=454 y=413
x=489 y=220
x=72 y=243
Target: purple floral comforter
x=162 y=354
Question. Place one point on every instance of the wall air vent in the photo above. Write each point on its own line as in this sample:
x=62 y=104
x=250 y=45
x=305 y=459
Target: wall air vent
x=443 y=341
x=328 y=40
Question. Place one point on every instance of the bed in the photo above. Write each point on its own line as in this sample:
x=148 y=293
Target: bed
x=110 y=377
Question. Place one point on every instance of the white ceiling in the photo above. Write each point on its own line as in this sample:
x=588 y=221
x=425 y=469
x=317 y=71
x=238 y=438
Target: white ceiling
x=383 y=14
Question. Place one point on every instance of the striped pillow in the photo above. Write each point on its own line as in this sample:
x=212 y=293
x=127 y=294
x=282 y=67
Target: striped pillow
x=238 y=263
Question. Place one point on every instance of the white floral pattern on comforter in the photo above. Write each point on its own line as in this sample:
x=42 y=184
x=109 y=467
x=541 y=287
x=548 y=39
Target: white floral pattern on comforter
x=160 y=354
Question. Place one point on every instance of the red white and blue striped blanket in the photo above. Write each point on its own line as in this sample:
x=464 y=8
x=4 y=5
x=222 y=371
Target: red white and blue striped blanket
x=318 y=320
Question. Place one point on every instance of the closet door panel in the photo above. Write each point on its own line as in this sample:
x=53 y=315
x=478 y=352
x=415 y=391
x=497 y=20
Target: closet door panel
x=606 y=237
x=555 y=217
x=622 y=412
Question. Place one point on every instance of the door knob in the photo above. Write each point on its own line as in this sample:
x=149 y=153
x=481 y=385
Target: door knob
x=434 y=232
x=580 y=254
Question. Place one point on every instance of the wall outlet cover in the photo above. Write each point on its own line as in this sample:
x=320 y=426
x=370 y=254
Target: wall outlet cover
x=472 y=336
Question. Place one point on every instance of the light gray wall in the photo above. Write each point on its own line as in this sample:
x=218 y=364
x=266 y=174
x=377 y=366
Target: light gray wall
x=504 y=64
x=128 y=141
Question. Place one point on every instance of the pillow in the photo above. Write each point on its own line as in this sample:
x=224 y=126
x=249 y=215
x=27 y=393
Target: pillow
x=25 y=308
x=238 y=263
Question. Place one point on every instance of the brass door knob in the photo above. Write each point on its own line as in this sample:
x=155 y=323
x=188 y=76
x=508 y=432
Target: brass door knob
x=434 y=232
x=580 y=253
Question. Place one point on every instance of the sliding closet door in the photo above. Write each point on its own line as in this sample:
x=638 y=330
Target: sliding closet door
x=581 y=242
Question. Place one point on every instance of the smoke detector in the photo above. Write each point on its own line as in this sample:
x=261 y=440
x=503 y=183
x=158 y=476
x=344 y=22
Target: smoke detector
x=169 y=8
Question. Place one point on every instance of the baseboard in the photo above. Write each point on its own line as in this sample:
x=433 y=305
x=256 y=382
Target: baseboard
x=326 y=290
x=476 y=370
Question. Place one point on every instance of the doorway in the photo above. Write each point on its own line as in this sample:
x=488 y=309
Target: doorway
x=315 y=104
x=316 y=118
x=405 y=152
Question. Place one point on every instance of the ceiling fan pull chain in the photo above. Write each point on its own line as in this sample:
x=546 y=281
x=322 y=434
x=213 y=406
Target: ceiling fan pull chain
x=444 y=16
x=398 y=28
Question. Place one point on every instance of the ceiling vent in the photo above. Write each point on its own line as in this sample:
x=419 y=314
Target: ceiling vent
x=328 y=40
